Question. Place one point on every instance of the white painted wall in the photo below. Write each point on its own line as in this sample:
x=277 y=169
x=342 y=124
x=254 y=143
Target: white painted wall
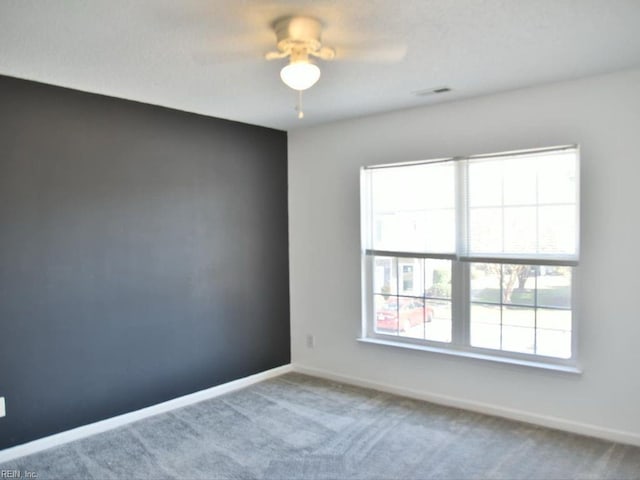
x=602 y=114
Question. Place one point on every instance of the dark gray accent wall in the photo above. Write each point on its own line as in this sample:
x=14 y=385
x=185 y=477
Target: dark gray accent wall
x=143 y=256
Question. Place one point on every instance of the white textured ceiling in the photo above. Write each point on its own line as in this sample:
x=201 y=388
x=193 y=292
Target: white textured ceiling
x=208 y=56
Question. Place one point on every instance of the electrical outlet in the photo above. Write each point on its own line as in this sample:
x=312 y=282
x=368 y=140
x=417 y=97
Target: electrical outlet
x=311 y=341
x=3 y=410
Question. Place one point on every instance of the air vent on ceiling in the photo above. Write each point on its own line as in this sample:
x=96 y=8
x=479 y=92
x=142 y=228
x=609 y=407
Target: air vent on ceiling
x=431 y=91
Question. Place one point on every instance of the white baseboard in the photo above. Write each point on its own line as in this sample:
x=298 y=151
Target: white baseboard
x=557 y=423
x=115 y=422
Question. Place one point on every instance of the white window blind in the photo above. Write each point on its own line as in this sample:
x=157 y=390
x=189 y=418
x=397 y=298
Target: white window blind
x=514 y=206
x=523 y=206
x=413 y=209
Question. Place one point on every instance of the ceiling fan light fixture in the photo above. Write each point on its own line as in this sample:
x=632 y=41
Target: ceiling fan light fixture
x=300 y=75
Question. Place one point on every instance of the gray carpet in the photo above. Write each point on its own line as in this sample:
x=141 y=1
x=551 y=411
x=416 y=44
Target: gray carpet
x=299 y=427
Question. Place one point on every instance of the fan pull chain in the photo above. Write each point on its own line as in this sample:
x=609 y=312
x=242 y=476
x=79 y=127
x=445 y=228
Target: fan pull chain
x=299 y=106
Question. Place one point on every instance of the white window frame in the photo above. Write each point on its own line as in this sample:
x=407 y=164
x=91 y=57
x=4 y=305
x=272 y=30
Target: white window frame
x=460 y=344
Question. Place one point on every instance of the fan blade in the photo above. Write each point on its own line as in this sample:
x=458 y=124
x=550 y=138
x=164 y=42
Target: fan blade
x=235 y=48
x=382 y=53
x=275 y=55
x=209 y=34
x=325 y=53
x=205 y=58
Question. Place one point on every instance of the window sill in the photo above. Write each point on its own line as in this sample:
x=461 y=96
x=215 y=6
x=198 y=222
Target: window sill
x=475 y=355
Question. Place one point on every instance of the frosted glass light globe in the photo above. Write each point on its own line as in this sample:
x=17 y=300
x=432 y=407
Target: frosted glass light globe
x=300 y=75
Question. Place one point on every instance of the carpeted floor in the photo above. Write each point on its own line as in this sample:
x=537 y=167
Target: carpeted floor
x=299 y=427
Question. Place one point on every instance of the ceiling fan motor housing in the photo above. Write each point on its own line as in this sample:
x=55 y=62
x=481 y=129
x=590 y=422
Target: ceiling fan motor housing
x=297 y=34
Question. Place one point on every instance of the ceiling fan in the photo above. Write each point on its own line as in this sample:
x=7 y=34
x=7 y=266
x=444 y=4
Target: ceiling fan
x=300 y=38
x=248 y=34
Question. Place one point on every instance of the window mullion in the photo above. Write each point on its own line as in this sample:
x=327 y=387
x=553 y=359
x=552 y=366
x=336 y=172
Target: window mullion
x=368 y=308
x=460 y=274
x=460 y=303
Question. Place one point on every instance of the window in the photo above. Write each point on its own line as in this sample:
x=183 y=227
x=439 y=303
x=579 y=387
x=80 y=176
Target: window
x=474 y=255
